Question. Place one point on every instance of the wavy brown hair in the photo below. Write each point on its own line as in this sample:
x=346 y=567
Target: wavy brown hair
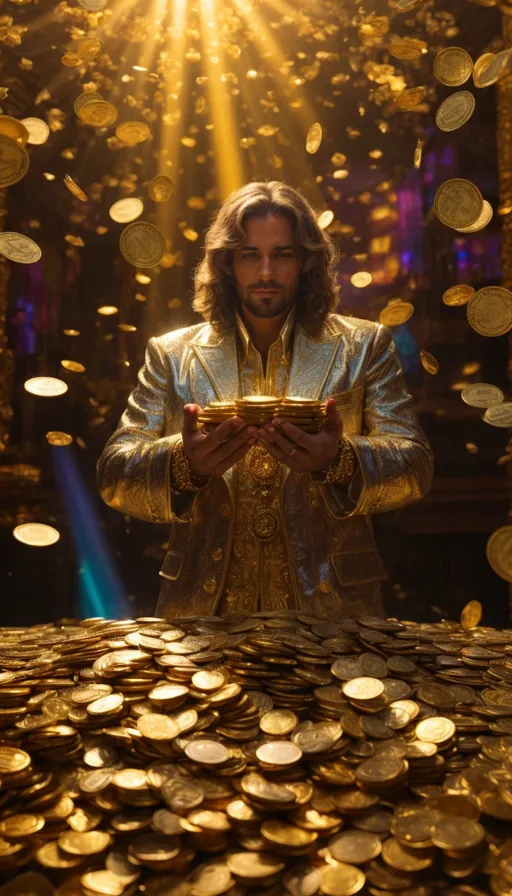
x=215 y=294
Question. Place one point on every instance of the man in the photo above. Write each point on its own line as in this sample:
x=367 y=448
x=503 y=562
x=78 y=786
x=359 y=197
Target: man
x=268 y=518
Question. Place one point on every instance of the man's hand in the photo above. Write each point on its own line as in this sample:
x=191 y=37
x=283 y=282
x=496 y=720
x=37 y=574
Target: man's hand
x=301 y=451
x=213 y=454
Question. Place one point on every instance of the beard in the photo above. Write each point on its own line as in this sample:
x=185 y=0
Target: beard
x=268 y=306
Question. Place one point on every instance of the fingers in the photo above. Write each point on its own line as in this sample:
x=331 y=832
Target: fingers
x=295 y=463
x=225 y=431
x=190 y=415
x=333 y=421
x=288 y=436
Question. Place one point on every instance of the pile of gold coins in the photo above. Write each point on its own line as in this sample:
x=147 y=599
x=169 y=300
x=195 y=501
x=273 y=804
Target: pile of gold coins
x=280 y=753
x=306 y=413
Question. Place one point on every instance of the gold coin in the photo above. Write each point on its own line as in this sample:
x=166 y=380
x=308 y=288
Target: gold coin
x=207 y=752
x=429 y=362
x=408 y=5
x=494 y=68
x=471 y=615
x=490 y=311
x=499 y=552
x=455 y=111
x=13 y=760
x=89 y=48
x=457 y=833
x=83 y=99
x=161 y=188
x=396 y=313
x=19 y=248
x=59 y=438
x=51 y=856
x=37 y=129
x=14 y=161
x=278 y=721
x=23 y=825
x=102 y=883
x=84 y=843
x=74 y=366
x=480 y=65
x=98 y=113
x=499 y=415
x=436 y=731
x=458 y=203
x=126 y=210
x=410 y=98
x=14 y=129
x=363 y=688
x=74 y=188
x=279 y=753
x=458 y=295
x=303 y=881
x=355 y=847
x=105 y=705
x=254 y=865
x=211 y=879
x=314 y=138
x=481 y=222
x=342 y=880
x=282 y=834
x=453 y=66
x=133 y=132
x=142 y=244
x=157 y=726
x=407 y=48
x=482 y=395
x=404 y=858
x=325 y=219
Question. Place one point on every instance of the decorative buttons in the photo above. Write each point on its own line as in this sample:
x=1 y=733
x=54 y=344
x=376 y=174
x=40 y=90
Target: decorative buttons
x=210 y=585
x=264 y=525
x=224 y=510
x=217 y=554
x=324 y=586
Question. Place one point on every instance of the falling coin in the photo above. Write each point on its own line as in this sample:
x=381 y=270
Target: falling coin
x=36 y=534
x=458 y=295
x=453 y=66
x=499 y=415
x=59 y=438
x=314 y=138
x=161 y=188
x=499 y=552
x=458 y=203
x=429 y=362
x=482 y=395
x=38 y=130
x=19 y=248
x=481 y=222
x=142 y=244
x=490 y=311
x=455 y=111
x=410 y=98
x=471 y=615
x=126 y=210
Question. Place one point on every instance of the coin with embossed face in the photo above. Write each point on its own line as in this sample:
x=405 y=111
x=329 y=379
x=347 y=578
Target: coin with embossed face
x=453 y=66
x=142 y=244
x=458 y=202
x=490 y=311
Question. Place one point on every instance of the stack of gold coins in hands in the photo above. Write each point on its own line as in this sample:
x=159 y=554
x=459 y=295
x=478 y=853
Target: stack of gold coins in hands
x=280 y=753
x=306 y=413
x=216 y=413
x=257 y=410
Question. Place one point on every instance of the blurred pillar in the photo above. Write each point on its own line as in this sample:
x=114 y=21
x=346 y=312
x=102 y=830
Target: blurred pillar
x=6 y=355
x=504 y=141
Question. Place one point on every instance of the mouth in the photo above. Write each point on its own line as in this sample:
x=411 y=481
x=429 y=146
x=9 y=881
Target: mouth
x=265 y=292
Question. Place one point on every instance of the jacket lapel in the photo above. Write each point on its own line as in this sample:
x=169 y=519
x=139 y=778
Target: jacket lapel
x=218 y=356
x=312 y=362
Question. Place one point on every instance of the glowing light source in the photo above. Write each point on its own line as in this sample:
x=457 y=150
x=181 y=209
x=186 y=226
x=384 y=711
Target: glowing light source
x=142 y=278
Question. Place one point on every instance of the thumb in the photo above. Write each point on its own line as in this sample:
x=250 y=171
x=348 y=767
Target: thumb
x=333 y=421
x=190 y=415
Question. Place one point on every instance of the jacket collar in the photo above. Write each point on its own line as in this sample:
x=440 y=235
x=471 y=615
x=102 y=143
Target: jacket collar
x=285 y=335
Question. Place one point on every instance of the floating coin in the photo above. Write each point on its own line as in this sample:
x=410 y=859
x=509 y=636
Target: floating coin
x=410 y=98
x=407 y=48
x=15 y=161
x=455 y=111
x=125 y=210
x=458 y=295
x=490 y=311
x=314 y=138
x=429 y=362
x=98 y=114
x=325 y=219
x=133 y=132
x=36 y=534
x=93 y=5
x=142 y=244
x=14 y=129
x=493 y=69
x=481 y=222
x=499 y=552
x=37 y=129
x=408 y=5
x=74 y=188
x=471 y=615
x=453 y=66
x=161 y=188
x=74 y=366
x=19 y=248
x=480 y=66
x=499 y=415
x=83 y=99
x=59 y=438
x=396 y=313
x=89 y=48
x=482 y=395
x=458 y=203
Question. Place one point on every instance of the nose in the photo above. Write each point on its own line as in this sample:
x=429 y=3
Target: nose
x=265 y=271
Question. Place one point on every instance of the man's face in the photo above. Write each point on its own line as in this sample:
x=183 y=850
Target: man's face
x=267 y=267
